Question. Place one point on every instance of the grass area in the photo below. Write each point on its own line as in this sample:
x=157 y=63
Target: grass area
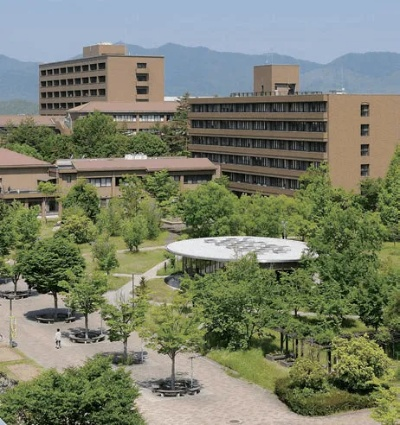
x=250 y=365
x=116 y=282
x=159 y=291
x=7 y=366
x=160 y=241
x=138 y=262
x=46 y=229
x=391 y=253
x=170 y=270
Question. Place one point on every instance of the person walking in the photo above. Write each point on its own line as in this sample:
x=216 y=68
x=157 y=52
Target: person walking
x=57 y=338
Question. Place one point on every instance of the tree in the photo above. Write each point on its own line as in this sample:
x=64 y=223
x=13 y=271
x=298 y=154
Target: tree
x=83 y=195
x=387 y=411
x=105 y=254
x=48 y=189
x=77 y=226
x=125 y=317
x=110 y=218
x=50 y=263
x=369 y=193
x=174 y=328
x=90 y=133
x=163 y=188
x=92 y=394
x=86 y=296
x=148 y=144
x=26 y=225
x=7 y=234
x=391 y=314
x=133 y=193
x=135 y=232
x=361 y=363
x=211 y=210
x=152 y=215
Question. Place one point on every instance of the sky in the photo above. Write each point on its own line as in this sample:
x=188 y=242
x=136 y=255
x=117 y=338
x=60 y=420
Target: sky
x=316 y=30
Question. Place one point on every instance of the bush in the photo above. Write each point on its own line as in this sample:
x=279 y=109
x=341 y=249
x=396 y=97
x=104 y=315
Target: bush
x=307 y=373
x=306 y=401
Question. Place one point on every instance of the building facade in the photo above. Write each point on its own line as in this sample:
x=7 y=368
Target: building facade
x=266 y=139
x=105 y=73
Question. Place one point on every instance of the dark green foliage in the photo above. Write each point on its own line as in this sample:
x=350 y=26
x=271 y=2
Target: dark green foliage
x=308 y=402
x=148 y=144
x=78 y=227
x=307 y=373
x=83 y=195
x=91 y=394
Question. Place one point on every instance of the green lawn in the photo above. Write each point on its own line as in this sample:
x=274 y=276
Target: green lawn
x=138 y=262
x=116 y=282
x=46 y=229
x=159 y=291
x=250 y=365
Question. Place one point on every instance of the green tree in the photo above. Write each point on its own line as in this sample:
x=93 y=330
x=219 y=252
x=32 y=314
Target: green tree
x=83 y=195
x=391 y=314
x=132 y=194
x=92 y=394
x=110 y=218
x=361 y=363
x=176 y=134
x=7 y=233
x=211 y=210
x=369 y=193
x=174 y=328
x=48 y=189
x=26 y=225
x=163 y=188
x=79 y=227
x=134 y=232
x=125 y=317
x=105 y=254
x=387 y=411
x=307 y=373
x=49 y=264
x=152 y=215
x=90 y=133
x=148 y=144
x=86 y=296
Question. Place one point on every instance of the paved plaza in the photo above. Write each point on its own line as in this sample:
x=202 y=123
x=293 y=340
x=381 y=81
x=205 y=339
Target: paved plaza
x=222 y=400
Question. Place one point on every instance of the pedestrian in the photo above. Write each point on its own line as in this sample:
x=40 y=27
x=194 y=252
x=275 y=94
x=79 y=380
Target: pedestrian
x=57 y=338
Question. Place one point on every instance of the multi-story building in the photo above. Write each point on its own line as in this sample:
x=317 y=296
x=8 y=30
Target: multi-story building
x=131 y=117
x=106 y=73
x=266 y=139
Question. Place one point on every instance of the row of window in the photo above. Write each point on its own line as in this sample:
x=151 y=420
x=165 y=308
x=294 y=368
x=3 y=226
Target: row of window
x=307 y=126
x=73 y=93
x=142 y=118
x=256 y=161
x=276 y=182
x=291 y=145
x=74 y=81
x=261 y=107
x=75 y=68
x=62 y=105
x=187 y=179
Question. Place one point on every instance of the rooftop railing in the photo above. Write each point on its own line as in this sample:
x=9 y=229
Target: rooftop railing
x=273 y=93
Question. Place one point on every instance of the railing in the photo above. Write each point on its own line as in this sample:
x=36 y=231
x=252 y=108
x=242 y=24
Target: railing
x=274 y=93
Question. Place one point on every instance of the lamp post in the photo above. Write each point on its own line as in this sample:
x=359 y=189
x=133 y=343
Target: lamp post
x=11 y=325
x=191 y=368
x=133 y=285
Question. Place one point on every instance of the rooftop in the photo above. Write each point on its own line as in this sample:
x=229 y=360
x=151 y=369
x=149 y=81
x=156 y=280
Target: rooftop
x=10 y=159
x=48 y=121
x=125 y=107
x=231 y=248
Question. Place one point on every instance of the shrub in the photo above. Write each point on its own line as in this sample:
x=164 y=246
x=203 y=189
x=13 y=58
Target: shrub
x=306 y=401
x=307 y=373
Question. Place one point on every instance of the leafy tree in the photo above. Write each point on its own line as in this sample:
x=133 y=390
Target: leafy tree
x=13 y=268
x=237 y=303
x=125 y=317
x=369 y=193
x=48 y=189
x=387 y=411
x=153 y=218
x=163 y=188
x=110 y=218
x=174 y=328
x=79 y=227
x=90 y=133
x=148 y=144
x=210 y=210
x=133 y=193
x=105 y=254
x=26 y=225
x=86 y=296
x=7 y=234
x=134 y=232
x=92 y=394
x=24 y=150
x=51 y=262
x=391 y=314
x=83 y=195
x=307 y=373
x=361 y=363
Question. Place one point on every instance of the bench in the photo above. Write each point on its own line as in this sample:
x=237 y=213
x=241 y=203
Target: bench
x=193 y=390
x=83 y=340
x=44 y=319
x=177 y=392
x=70 y=319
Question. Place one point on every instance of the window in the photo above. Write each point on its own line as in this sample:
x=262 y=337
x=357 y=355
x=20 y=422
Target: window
x=142 y=65
x=364 y=130
x=197 y=179
x=78 y=68
x=67 y=178
x=101 y=182
x=142 y=77
x=364 y=111
x=364 y=171
x=142 y=90
x=364 y=150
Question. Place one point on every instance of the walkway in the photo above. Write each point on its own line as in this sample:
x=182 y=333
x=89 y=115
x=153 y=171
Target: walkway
x=223 y=399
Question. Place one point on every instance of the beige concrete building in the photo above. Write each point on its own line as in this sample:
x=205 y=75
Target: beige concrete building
x=266 y=139
x=131 y=117
x=106 y=73
x=107 y=174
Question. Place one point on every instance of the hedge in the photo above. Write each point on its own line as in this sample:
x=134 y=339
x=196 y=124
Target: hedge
x=320 y=403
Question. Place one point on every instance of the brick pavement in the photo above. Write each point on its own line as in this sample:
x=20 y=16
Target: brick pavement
x=222 y=400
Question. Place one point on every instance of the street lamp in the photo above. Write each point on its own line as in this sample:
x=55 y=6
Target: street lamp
x=191 y=368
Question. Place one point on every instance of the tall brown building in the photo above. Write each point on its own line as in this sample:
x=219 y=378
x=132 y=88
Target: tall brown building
x=104 y=73
x=266 y=139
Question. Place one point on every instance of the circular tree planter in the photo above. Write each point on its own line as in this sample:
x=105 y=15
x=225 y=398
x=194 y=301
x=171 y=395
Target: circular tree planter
x=93 y=337
x=12 y=295
x=163 y=387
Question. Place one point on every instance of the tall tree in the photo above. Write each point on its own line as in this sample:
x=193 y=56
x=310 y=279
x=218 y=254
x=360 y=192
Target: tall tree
x=125 y=317
x=132 y=194
x=48 y=189
x=83 y=195
x=135 y=232
x=92 y=394
x=148 y=144
x=110 y=218
x=105 y=254
x=174 y=328
x=49 y=264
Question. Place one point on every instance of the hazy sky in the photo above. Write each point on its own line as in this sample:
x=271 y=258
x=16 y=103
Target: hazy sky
x=318 y=30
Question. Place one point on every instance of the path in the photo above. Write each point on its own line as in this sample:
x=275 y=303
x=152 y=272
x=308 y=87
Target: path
x=222 y=400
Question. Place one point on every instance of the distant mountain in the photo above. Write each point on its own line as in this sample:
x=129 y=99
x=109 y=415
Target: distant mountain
x=15 y=107
x=202 y=71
